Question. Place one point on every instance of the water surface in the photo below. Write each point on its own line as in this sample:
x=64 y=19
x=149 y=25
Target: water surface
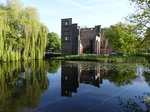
x=55 y=86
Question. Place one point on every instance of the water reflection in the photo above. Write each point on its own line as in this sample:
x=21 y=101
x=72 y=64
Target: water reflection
x=146 y=75
x=53 y=66
x=72 y=76
x=75 y=73
x=121 y=75
x=136 y=103
x=21 y=84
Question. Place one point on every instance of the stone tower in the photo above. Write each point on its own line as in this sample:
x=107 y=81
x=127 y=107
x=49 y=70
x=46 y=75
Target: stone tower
x=69 y=37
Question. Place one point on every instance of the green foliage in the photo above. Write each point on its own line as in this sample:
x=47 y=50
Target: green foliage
x=141 y=18
x=22 y=36
x=105 y=59
x=53 y=42
x=146 y=41
x=122 y=38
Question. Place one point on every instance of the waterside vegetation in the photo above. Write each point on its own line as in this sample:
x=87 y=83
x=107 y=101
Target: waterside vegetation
x=105 y=59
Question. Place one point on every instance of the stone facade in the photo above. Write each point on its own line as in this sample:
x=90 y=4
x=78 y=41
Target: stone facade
x=76 y=40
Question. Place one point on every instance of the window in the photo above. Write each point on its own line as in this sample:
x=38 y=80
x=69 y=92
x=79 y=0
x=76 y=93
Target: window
x=66 y=38
x=66 y=23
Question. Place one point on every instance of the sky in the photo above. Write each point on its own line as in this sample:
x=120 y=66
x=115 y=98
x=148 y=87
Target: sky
x=84 y=12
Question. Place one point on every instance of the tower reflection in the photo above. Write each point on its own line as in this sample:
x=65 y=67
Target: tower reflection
x=73 y=75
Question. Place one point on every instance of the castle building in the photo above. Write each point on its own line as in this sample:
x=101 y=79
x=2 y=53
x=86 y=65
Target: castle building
x=76 y=40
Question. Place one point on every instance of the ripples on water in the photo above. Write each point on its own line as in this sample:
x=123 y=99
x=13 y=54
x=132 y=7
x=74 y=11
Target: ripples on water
x=55 y=86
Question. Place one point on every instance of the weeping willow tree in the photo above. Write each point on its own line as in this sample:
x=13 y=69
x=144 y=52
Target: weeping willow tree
x=22 y=35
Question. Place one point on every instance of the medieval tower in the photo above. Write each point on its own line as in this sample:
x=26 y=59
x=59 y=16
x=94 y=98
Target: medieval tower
x=76 y=40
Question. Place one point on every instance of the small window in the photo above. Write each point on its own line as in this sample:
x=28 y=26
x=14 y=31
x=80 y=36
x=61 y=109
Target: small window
x=66 y=38
x=66 y=23
x=66 y=77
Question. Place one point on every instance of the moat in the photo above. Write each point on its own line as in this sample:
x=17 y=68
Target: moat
x=68 y=86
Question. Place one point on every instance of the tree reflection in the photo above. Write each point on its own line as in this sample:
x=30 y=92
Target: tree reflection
x=54 y=66
x=135 y=104
x=121 y=75
x=146 y=75
x=89 y=73
x=21 y=84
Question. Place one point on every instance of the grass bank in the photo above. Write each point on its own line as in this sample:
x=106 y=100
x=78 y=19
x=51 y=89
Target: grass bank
x=145 y=55
x=104 y=59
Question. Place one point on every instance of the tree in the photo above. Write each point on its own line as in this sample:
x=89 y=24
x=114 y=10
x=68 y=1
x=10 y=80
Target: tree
x=147 y=39
x=22 y=35
x=141 y=18
x=54 y=42
x=122 y=38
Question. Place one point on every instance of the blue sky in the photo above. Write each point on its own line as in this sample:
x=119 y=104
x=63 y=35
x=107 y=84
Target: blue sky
x=84 y=12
